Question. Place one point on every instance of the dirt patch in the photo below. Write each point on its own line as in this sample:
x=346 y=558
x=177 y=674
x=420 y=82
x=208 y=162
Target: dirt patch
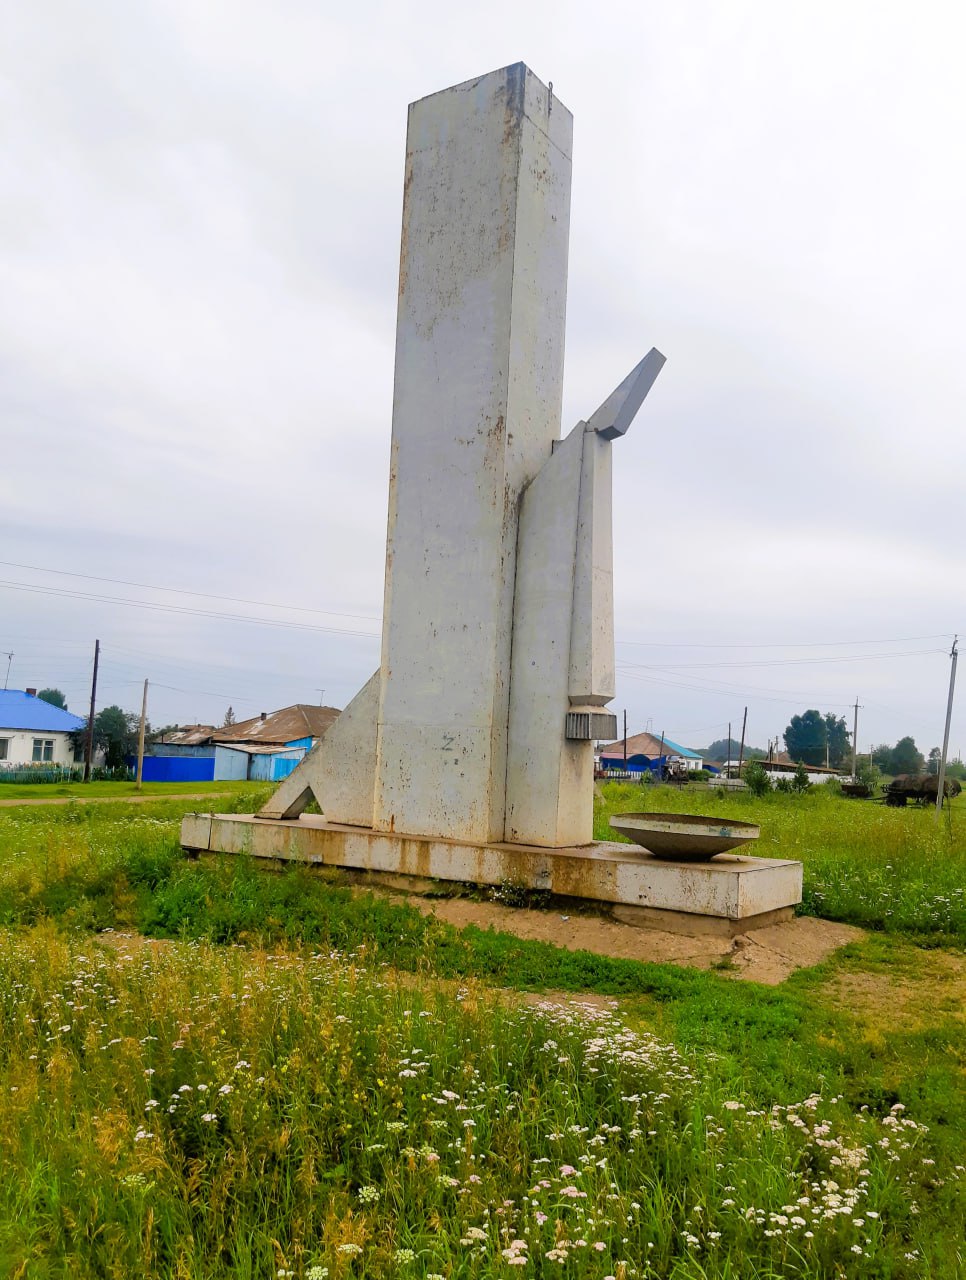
x=937 y=991
x=767 y=955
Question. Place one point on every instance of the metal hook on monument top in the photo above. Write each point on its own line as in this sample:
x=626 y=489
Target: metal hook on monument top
x=618 y=411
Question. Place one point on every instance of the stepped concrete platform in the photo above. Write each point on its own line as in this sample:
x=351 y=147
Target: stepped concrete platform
x=730 y=894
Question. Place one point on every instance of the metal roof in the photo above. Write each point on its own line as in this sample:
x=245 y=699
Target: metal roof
x=189 y=735
x=647 y=744
x=19 y=710
x=280 y=727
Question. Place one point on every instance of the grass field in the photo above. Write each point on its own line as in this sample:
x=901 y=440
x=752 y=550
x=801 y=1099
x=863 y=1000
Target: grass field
x=308 y=1081
x=112 y=790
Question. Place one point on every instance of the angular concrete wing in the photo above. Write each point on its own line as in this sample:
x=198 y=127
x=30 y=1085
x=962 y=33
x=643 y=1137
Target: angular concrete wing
x=617 y=412
x=339 y=771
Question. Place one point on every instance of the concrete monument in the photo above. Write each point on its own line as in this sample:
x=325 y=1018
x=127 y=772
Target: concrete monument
x=473 y=741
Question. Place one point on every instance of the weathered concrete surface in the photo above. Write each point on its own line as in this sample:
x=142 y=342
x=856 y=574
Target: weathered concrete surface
x=592 y=663
x=480 y=611
x=700 y=926
x=549 y=793
x=479 y=376
x=730 y=888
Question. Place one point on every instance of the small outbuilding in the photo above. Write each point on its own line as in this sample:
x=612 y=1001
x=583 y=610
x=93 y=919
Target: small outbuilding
x=246 y=762
x=269 y=746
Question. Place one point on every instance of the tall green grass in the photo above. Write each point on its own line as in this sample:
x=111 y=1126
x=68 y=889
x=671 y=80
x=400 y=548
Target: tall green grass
x=201 y=1113
x=887 y=869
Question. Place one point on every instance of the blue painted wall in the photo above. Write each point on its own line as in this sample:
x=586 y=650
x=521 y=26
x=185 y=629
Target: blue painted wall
x=178 y=768
x=273 y=768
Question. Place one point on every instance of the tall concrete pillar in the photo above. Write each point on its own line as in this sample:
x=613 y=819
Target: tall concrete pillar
x=479 y=370
x=497 y=646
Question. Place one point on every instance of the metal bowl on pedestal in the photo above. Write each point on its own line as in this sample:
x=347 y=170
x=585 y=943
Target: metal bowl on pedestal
x=684 y=837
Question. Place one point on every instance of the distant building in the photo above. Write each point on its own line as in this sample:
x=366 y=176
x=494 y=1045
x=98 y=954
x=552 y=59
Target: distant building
x=784 y=767
x=265 y=748
x=645 y=750
x=34 y=732
x=780 y=765
x=269 y=746
x=247 y=762
x=186 y=737
x=301 y=723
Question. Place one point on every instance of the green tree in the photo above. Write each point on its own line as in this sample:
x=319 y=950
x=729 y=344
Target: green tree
x=806 y=736
x=801 y=781
x=935 y=756
x=906 y=757
x=115 y=731
x=756 y=779
x=868 y=774
x=54 y=697
x=838 y=739
x=229 y=718
x=728 y=749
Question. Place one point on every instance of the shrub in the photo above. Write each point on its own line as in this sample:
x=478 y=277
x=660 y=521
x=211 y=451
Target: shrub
x=800 y=780
x=756 y=779
x=868 y=774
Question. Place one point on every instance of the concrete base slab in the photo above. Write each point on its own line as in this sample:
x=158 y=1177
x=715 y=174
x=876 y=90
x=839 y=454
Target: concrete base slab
x=729 y=888
x=699 y=925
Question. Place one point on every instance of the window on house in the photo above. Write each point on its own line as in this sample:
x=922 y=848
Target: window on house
x=3 y=748
x=43 y=749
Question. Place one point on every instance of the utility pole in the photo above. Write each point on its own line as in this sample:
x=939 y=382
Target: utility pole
x=941 y=789
x=741 y=750
x=144 y=713
x=855 y=740
x=625 y=739
x=728 y=761
x=661 y=756
x=7 y=676
x=321 y=693
x=90 y=720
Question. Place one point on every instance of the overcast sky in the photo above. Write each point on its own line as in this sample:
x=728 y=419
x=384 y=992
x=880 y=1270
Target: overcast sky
x=199 y=234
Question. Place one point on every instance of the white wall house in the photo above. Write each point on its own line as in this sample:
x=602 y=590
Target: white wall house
x=33 y=732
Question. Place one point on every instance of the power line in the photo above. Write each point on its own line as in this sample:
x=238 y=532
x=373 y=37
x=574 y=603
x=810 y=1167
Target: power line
x=366 y=617
x=796 y=644
x=185 y=610
x=726 y=693
x=183 y=591
x=785 y=662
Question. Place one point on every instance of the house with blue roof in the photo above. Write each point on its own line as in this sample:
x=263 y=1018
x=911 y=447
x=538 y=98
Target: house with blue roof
x=33 y=731
x=645 y=751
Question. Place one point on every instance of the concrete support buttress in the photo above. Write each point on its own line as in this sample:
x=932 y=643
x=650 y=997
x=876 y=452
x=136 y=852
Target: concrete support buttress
x=340 y=770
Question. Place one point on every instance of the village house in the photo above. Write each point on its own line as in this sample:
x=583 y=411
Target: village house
x=265 y=748
x=34 y=732
x=644 y=750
